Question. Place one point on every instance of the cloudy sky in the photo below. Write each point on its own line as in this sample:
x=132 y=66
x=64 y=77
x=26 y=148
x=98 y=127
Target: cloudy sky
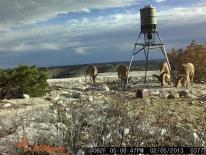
x=64 y=32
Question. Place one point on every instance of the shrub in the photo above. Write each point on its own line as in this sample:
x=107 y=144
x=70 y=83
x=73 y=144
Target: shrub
x=194 y=53
x=23 y=80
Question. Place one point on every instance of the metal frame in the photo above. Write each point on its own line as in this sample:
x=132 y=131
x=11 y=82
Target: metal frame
x=146 y=46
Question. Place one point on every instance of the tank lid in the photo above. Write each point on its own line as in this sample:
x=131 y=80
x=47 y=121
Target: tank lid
x=148 y=6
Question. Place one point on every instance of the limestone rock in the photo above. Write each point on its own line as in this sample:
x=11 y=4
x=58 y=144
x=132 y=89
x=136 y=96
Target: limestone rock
x=184 y=93
x=154 y=92
x=75 y=94
x=173 y=95
x=164 y=94
x=142 y=93
x=57 y=98
x=91 y=99
x=26 y=96
x=7 y=105
x=105 y=88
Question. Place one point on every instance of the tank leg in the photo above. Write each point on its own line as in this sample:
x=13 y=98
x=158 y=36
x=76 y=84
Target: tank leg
x=133 y=53
x=164 y=53
x=146 y=65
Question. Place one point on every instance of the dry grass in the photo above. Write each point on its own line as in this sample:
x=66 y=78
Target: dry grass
x=119 y=119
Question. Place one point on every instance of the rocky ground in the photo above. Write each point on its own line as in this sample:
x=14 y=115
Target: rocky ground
x=78 y=115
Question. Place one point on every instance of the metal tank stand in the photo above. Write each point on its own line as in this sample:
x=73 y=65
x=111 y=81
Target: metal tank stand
x=146 y=45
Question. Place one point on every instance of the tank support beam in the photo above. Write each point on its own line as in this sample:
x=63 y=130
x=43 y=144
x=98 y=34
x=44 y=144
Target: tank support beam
x=146 y=46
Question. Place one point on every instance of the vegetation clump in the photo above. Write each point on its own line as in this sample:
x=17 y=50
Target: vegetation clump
x=23 y=80
x=194 y=53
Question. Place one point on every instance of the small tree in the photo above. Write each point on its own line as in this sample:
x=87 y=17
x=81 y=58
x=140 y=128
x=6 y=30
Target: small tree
x=194 y=53
x=23 y=79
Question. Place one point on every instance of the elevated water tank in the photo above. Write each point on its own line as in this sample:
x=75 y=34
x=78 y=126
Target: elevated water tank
x=148 y=18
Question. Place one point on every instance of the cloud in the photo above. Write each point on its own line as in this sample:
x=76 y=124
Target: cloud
x=74 y=33
x=41 y=46
x=83 y=32
x=183 y=15
x=86 y=10
x=22 y=47
x=32 y=11
x=160 y=1
x=104 y=37
x=81 y=50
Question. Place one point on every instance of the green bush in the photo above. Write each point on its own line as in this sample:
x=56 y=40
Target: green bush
x=23 y=80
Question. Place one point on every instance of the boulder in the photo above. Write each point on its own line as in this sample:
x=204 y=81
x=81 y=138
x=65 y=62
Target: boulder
x=184 y=93
x=75 y=94
x=154 y=92
x=126 y=131
x=170 y=96
x=192 y=96
x=63 y=92
x=80 y=152
x=25 y=96
x=164 y=94
x=98 y=88
x=48 y=98
x=7 y=105
x=60 y=102
x=187 y=93
x=163 y=131
x=105 y=88
x=203 y=92
x=173 y=95
x=196 y=137
x=91 y=98
x=57 y=98
x=142 y=93
x=116 y=88
x=153 y=130
x=80 y=88
x=150 y=78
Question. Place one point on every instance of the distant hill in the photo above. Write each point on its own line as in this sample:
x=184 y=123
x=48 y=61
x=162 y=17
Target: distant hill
x=78 y=70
